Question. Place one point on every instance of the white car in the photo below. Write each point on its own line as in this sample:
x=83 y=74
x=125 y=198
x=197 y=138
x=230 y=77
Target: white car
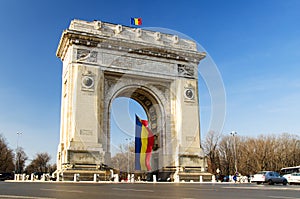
x=293 y=178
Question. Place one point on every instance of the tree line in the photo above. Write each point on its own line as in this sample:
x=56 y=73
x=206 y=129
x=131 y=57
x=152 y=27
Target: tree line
x=14 y=161
x=224 y=152
x=251 y=154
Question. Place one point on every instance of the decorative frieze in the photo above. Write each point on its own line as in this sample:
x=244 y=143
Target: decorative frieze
x=86 y=55
x=185 y=70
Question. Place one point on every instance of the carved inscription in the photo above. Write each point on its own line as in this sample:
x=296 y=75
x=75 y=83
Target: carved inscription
x=86 y=132
x=123 y=62
x=135 y=64
x=190 y=138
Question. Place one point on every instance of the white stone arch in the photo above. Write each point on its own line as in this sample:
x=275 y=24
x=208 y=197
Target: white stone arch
x=159 y=118
x=99 y=60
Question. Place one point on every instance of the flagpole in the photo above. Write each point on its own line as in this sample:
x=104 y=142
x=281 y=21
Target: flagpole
x=130 y=25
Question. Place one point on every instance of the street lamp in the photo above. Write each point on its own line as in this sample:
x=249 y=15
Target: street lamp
x=296 y=152
x=234 y=133
x=17 y=150
x=128 y=140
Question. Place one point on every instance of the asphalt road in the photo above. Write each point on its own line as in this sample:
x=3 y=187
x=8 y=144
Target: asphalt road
x=33 y=190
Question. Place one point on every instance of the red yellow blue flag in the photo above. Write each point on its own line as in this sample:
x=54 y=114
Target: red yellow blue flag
x=144 y=141
x=136 y=21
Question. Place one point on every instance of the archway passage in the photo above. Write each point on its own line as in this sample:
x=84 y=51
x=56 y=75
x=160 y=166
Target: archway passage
x=147 y=108
x=149 y=103
x=122 y=128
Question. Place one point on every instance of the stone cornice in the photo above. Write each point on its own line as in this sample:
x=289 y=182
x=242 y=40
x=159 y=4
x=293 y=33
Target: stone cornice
x=128 y=40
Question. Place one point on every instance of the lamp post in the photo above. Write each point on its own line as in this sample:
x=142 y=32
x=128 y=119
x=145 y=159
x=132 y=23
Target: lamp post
x=17 y=150
x=296 y=152
x=128 y=140
x=234 y=133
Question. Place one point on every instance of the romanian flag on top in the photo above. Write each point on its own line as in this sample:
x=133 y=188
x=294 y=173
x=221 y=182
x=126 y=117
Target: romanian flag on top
x=136 y=21
x=144 y=141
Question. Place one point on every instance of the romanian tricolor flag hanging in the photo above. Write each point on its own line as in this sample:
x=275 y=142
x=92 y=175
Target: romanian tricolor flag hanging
x=136 y=21
x=144 y=141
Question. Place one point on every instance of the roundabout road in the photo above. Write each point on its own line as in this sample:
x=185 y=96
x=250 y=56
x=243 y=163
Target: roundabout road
x=53 y=190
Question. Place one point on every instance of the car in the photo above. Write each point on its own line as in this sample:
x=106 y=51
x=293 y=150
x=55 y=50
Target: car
x=6 y=176
x=293 y=178
x=270 y=177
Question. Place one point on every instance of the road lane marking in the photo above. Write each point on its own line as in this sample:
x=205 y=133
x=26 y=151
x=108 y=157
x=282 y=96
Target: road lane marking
x=24 y=197
x=199 y=189
x=69 y=191
x=266 y=188
x=283 y=197
x=137 y=190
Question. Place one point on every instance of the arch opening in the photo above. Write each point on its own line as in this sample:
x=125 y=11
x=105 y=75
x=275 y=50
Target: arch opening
x=127 y=103
x=122 y=129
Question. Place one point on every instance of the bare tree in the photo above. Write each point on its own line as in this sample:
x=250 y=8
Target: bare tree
x=247 y=156
x=226 y=155
x=255 y=154
x=52 y=168
x=21 y=157
x=39 y=164
x=296 y=151
x=6 y=157
x=210 y=147
x=288 y=153
x=124 y=159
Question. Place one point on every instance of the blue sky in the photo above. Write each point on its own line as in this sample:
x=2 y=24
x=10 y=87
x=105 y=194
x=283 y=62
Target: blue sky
x=255 y=45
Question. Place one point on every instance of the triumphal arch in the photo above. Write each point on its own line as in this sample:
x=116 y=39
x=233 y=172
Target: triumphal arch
x=103 y=61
